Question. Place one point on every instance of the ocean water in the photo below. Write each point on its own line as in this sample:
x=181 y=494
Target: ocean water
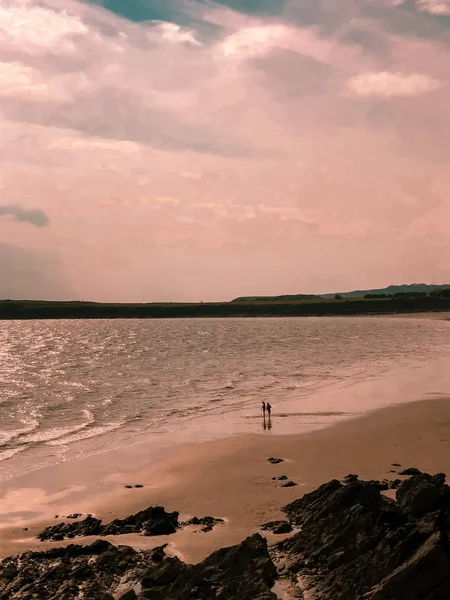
x=71 y=388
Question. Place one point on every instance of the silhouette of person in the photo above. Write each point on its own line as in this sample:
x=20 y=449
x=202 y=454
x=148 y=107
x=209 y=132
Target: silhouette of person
x=263 y=408
x=269 y=409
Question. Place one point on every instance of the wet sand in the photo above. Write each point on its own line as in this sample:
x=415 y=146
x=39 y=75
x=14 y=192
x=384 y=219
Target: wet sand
x=228 y=478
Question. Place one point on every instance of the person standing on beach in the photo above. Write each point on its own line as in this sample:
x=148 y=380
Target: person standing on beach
x=263 y=408
x=269 y=409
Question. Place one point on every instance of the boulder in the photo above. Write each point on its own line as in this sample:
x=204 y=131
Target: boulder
x=410 y=471
x=423 y=493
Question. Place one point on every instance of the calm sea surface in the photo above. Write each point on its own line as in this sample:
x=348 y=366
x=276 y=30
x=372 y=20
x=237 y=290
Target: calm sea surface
x=79 y=387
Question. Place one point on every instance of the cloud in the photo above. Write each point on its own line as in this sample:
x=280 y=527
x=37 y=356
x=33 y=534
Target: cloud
x=275 y=145
x=435 y=7
x=35 y=217
x=387 y=85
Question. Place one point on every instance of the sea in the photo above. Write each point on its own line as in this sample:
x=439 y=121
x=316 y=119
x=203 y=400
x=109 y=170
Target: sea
x=73 y=388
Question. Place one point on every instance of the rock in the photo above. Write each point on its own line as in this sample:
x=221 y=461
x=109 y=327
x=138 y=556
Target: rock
x=94 y=572
x=349 y=478
x=151 y=521
x=277 y=527
x=74 y=516
x=138 y=485
x=423 y=493
x=356 y=543
x=130 y=595
x=396 y=465
x=275 y=461
x=129 y=487
x=393 y=485
x=25 y=529
x=89 y=526
x=282 y=478
x=288 y=484
x=242 y=572
x=410 y=471
x=208 y=523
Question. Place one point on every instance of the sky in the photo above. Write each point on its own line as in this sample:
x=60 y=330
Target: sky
x=195 y=150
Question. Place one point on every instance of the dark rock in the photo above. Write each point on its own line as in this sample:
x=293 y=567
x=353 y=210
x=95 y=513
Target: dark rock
x=275 y=461
x=288 y=484
x=242 y=572
x=396 y=465
x=208 y=523
x=277 y=527
x=25 y=529
x=152 y=521
x=89 y=526
x=350 y=477
x=393 y=485
x=129 y=487
x=138 y=485
x=94 y=572
x=282 y=478
x=410 y=471
x=423 y=493
x=158 y=554
x=74 y=516
x=355 y=543
x=130 y=595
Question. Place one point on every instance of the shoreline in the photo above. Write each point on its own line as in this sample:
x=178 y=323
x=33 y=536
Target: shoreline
x=228 y=478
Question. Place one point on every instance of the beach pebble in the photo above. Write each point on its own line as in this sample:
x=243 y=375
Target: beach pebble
x=275 y=461
x=288 y=484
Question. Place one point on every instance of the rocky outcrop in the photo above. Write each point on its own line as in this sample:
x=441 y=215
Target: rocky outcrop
x=95 y=572
x=355 y=543
x=151 y=521
x=242 y=572
x=105 y=572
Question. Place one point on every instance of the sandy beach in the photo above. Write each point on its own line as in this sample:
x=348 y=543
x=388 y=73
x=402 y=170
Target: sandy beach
x=229 y=478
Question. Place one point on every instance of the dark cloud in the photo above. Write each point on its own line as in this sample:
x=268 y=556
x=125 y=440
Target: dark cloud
x=35 y=217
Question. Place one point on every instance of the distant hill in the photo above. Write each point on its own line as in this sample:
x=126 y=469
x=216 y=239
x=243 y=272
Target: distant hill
x=391 y=289
x=284 y=298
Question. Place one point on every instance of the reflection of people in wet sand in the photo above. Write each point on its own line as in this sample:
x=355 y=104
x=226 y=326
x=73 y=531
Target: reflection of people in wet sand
x=266 y=407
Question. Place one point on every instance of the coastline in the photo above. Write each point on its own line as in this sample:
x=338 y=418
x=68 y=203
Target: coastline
x=228 y=478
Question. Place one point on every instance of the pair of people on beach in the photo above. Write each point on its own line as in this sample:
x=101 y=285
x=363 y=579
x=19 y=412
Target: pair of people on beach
x=266 y=407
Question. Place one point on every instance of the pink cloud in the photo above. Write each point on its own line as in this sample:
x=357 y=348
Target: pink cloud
x=278 y=157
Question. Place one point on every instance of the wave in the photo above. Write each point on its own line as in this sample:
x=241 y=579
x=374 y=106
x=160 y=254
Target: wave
x=87 y=433
x=6 y=437
x=10 y=452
